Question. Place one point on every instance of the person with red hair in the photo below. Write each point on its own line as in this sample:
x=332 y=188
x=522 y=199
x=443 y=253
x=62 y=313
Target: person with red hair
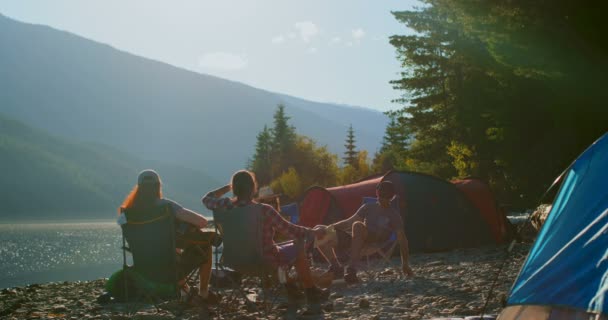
x=194 y=244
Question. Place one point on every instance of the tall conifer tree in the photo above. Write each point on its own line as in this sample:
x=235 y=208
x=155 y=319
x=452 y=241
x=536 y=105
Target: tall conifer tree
x=262 y=159
x=350 y=155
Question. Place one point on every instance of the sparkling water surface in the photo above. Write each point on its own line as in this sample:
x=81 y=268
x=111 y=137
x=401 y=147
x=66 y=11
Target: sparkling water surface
x=50 y=252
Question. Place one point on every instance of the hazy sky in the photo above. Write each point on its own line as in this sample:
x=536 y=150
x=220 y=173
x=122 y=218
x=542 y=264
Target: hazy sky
x=322 y=50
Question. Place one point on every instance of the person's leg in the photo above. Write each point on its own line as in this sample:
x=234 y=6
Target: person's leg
x=302 y=267
x=205 y=273
x=359 y=236
x=328 y=252
x=200 y=251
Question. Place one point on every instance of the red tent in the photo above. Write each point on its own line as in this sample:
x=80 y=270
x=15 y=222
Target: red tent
x=479 y=193
x=437 y=214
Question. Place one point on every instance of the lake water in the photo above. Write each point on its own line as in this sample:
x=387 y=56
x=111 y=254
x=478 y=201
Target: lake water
x=50 y=252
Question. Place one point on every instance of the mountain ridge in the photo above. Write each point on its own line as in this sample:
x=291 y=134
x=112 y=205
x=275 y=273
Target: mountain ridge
x=70 y=86
x=46 y=176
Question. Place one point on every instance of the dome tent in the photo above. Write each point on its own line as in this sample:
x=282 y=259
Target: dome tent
x=565 y=275
x=437 y=215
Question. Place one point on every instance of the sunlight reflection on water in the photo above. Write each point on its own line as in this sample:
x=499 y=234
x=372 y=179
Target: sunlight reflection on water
x=43 y=248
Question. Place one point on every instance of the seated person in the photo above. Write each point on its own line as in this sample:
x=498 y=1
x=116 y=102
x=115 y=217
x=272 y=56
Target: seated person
x=243 y=186
x=193 y=244
x=372 y=223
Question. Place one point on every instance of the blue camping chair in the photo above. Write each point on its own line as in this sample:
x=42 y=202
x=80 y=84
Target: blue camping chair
x=291 y=212
x=383 y=251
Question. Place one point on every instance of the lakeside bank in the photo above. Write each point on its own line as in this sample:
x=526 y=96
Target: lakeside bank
x=447 y=284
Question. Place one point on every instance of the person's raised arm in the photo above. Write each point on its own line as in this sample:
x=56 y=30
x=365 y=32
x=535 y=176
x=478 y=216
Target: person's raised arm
x=212 y=200
x=191 y=217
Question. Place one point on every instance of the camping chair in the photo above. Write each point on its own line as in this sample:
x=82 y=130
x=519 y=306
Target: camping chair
x=382 y=251
x=150 y=238
x=242 y=252
x=291 y=212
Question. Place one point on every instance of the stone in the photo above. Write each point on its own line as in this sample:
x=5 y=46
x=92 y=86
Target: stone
x=328 y=307
x=59 y=308
x=364 y=303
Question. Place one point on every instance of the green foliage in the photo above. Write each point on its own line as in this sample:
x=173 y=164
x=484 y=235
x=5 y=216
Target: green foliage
x=395 y=144
x=283 y=140
x=462 y=155
x=350 y=155
x=507 y=91
x=260 y=163
x=290 y=162
x=289 y=183
x=351 y=173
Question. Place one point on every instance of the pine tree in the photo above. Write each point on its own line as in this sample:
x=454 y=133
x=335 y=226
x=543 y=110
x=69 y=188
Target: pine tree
x=261 y=162
x=283 y=141
x=350 y=155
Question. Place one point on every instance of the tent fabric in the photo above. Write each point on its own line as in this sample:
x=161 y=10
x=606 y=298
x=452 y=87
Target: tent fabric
x=314 y=207
x=568 y=264
x=349 y=198
x=436 y=214
x=479 y=193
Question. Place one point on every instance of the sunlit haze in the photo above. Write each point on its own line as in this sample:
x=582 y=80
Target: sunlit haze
x=328 y=51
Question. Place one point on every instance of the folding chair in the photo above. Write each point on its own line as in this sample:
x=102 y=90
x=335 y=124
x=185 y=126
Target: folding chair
x=383 y=250
x=150 y=238
x=291 y=212
x=241 y=231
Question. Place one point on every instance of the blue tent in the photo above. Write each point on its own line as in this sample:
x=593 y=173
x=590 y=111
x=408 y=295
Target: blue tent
x=566 y=272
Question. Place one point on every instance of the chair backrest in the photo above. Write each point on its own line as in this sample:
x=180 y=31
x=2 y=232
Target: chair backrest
x=151 y=238
x=241 y=230
x=291 y=212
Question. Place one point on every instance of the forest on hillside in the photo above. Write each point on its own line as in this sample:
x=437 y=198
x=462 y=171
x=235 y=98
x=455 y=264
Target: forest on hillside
x=510 y=92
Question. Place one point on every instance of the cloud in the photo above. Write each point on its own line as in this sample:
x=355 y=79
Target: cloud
x=223 y=61
x=312 y=50
x=278 y=39
x=357 y=34
x=335 y=40
x=307 y=30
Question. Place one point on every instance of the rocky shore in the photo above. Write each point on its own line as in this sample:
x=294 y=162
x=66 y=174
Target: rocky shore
x=448 y=284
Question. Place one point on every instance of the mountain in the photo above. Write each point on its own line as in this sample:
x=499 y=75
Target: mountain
x=48 y=177
x=73 y=87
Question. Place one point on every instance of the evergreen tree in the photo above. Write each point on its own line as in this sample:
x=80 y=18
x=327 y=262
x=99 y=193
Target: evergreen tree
x=283 y=142
x=394 y=146
x=350 y=155
x=490 y=87
x=261 y=161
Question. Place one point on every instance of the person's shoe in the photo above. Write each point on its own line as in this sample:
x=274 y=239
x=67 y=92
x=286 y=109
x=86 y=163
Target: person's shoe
x=105 y=298
x=351 y=276
x=316 y=295
x=196 y=300
x=293 y=293
x=213 y=298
